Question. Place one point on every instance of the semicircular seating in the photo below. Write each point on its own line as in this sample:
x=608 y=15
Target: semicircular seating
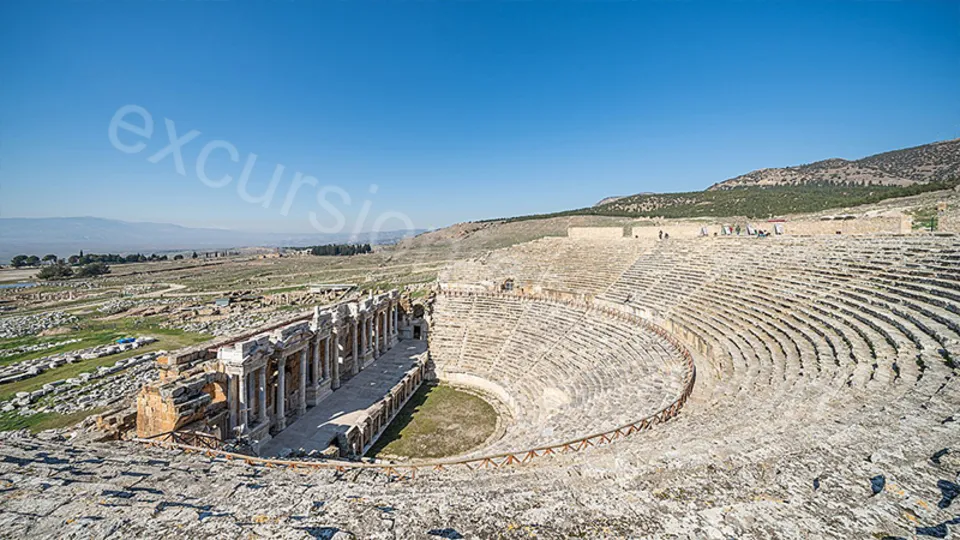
x=831 y=358
x=566 y=370
x=826 y=405
x=806 y=340
x=550 y=263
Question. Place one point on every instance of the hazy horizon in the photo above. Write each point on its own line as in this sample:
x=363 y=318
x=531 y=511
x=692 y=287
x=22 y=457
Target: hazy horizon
x=225 y=229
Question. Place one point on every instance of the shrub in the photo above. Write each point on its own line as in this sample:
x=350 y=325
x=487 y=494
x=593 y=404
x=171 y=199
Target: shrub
x=55 y=271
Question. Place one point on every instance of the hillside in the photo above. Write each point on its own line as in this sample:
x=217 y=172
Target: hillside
x=757 y=201
x=750 y=202
x=815 y=187
x=933 y=162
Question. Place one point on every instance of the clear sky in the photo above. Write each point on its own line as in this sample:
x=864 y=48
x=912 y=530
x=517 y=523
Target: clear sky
x=456 y=111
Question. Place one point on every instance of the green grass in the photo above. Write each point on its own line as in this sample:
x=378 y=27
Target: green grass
x=68 y=371
x=94 y=332
x=41 y=421
x=438 y=421
x=923 y=217
x=291 y=288
x=91 y=340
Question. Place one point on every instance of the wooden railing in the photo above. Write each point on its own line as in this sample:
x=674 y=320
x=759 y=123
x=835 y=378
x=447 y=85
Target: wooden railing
x=193 y=439
x=494 y=461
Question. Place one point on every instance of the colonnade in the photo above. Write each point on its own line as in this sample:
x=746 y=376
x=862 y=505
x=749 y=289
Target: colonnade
x=280 y=373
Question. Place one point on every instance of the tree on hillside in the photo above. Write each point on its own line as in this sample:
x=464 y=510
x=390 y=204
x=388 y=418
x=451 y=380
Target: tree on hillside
x=178 y=257
x=33 y=260
x=49 y=258
x=194 y=255
x=18 y=261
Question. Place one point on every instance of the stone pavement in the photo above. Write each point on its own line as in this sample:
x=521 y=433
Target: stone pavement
x=346 y=407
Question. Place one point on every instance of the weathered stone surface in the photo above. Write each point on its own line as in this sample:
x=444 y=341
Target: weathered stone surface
x=822 y=363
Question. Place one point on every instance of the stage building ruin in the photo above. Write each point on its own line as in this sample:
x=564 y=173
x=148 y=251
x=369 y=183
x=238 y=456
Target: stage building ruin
x=247 y=389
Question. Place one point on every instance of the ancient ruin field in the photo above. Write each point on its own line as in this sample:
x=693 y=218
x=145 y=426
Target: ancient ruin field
x=347 y=270
x=801 y=386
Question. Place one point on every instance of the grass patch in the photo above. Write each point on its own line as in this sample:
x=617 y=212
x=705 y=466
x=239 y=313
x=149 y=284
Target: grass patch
x=438 y=421
x=91 y=340
x=99 y=333
x=67 y=371
x=924 y=218
x=286 y=289
x=92 y=333
x=42 y=421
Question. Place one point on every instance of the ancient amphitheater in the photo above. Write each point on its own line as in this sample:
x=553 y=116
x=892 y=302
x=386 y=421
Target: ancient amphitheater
x=720 y=387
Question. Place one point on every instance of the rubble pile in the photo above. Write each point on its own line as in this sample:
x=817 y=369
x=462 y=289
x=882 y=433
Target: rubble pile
x=23 y=349
x=31 y=325
x=89 y=390
x=32 y=368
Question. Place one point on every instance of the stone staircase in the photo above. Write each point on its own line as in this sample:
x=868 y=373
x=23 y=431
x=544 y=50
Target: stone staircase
x=826 y=406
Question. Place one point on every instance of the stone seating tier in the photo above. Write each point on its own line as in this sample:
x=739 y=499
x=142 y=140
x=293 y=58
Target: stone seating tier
x=570 y=370
x=823 y=364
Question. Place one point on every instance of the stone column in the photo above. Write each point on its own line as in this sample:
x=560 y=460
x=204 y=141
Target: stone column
x=368 y=332
x=281 y=392
x=302 y=392
x=317 y=374
x=251 y=397
x=386 y=326
x=362 y=339
x=262 y=385
x=390 y=329
x=324 y=347
x=376 y=334
x=335 y=358
x=243 y=399
x=232 y=402
x=356 y=358
x=385 y=338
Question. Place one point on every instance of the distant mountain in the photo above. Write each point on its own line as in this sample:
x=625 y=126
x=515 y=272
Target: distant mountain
x=933 y=162
x=66 y=236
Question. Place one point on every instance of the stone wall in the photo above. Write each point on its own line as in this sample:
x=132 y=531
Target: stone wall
x=872 y=225
x=172 y=365
x=949 y=223
x=675 y=230
x=897 y=224
x=167 y=407
x=595 y=232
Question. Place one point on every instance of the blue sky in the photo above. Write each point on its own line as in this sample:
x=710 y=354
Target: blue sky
x=455 y=110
